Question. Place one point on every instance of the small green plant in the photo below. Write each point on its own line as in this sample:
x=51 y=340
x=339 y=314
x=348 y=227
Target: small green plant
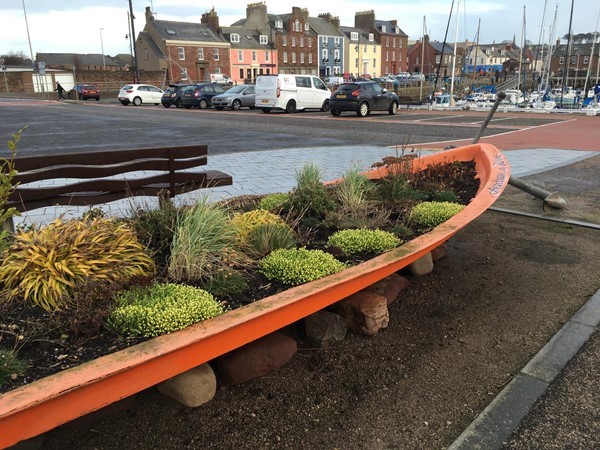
x=203 y=243
x=445 y=196
x=161 y=309
x=353 y=191
x=298 y=266
x=431 y=214
x=246 y=222
x=274 y=202
x=353 y=242
x=7 y=186
x=10 y=366
x=402 y=231
x=44 y=265
x=267 y=237
x=226 y=283
x=310 y=197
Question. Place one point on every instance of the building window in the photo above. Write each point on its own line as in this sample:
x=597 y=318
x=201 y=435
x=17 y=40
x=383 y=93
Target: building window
x=285 y=60
x=217 y=70
x=263 y=39
x=365 y=48
x=387 y=41
x=301 y=42
x=325 y=55
x=574 y=59
x=309 y=40
x=354 y=36
x=266 y=56
x=306 y=27
x=371 y=37
x=284 y=41
x=296 y=26
x=336 y=41
x=253 y=55
x=301 y=58
x=181 y=53
x=147 y=56
x=325 y=40
x=216 y=54
x=310 y=58
x=387 y=56
x=356 y=63
x=293 y=41
x=240 y=55
x=241 y=74
x=586 y=60
x=374 y=62
x=336 y=70
x=383 y=28
x=200 y=54
x=374 y=49
x=437 y=59
x=562 y=60
x=183 y=73
x=418 y=59
x=234 y=38
x=293 y=57
x=336 y=55
x=279 y=24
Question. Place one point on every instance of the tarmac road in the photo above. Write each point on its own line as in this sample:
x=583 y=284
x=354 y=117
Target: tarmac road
x=71 y=126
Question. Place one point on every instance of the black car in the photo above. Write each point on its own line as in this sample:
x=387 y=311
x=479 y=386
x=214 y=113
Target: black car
x=362 y=97
x=200 y=95
x=172 y=95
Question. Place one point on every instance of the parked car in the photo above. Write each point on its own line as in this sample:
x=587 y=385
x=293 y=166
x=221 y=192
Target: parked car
x=363 y=97
x=140 y=93
x=172 y=95
x=333 y=80
x=200 y=95
x=85 y=91
x=235 y=98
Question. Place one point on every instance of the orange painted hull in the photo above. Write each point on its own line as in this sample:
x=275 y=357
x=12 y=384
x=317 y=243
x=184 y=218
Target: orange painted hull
x=40 y=406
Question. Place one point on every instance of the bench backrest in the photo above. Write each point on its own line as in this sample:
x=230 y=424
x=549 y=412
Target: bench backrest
x=92 y=178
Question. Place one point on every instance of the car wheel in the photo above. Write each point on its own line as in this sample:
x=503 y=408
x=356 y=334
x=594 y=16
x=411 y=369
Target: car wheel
x=203 y=104
x=219 y=108
x=125 y=103
x=266 y=110
x=137 y=101
x=156 y=104
x=363 y=109
x=325 y=106
x=290 y=107
x=166 y=105
x=252 y=107
x=236 y=105
x=187 y=106
x=97 y=99
x=80 y=97
x=178 y=103
x=393 y=108
x=335 y=112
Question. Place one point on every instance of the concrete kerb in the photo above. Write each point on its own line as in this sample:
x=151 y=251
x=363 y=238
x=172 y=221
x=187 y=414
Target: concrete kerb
x=502 y=416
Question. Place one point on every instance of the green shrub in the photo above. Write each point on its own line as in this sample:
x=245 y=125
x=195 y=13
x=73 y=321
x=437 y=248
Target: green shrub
x=353 y=191
x=310 y=198
x=155 y=229
x=402 y=231
x=431 y=214
x=274 y=202
x=44 y=265
x=246 y=222
x=353 y=242
x=226 y=283
x=267 y=237
x=445 y=196
x=203 y=243
x=161 y=309
x=10 y=366
x=298 y=266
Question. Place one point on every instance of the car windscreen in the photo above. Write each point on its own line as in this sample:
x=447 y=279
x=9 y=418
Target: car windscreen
x=236 y=89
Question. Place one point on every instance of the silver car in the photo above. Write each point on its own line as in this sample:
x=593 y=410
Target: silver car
x=235 y=98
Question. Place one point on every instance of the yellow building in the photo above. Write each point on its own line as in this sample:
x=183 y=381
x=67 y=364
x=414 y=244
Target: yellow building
x=363 y=53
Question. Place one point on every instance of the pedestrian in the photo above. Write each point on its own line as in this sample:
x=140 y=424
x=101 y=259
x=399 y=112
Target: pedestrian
x=60 y=90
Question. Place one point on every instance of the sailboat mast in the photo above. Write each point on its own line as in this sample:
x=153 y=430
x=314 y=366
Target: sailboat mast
x=522 y=43
x=551 y=48
x=454 y=55
x=587 y=75
x=568 y=56
x=540 y=56
x=476 y=52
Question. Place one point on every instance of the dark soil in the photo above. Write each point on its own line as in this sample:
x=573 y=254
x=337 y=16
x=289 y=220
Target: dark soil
x=456 y=337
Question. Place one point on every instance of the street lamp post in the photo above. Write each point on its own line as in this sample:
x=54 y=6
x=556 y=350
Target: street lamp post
x=102 y=45
x=135 y=60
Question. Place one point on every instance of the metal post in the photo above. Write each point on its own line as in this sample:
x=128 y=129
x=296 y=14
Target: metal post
x=135 y=60
x=102 y=46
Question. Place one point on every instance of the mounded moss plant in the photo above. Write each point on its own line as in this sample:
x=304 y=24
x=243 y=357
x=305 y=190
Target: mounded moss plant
x=431 y=214
x=161 y=309
x=353 y=242
x=43 y=265
x=298 y=266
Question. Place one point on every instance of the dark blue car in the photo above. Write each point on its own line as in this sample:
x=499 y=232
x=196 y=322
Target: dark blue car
x=200 y=95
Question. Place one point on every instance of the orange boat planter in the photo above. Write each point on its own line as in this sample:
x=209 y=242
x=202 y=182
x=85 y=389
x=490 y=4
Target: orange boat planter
x=49 y=402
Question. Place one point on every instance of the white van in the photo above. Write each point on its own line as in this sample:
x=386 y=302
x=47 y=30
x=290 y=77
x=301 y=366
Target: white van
x=291 y=93
x=220 y=78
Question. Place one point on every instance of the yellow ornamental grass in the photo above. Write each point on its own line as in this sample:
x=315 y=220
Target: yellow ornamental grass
x=44 y=265
x=246 y=222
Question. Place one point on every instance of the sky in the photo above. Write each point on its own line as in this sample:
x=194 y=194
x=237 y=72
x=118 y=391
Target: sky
x=101 y=26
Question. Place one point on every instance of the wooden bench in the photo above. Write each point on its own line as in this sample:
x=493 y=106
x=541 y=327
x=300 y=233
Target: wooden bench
x=103 y=176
